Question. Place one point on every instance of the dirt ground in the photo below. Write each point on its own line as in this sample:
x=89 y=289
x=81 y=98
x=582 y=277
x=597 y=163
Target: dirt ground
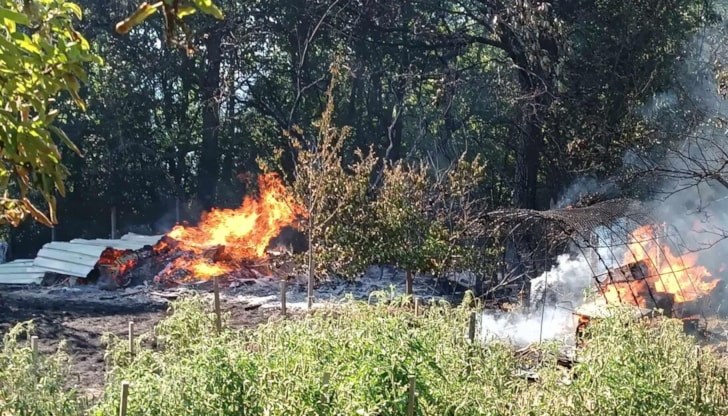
x=81 y=323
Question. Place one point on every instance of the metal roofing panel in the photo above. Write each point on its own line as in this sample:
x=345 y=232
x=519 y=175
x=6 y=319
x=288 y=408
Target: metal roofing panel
x=117 y=244
x=68 y=258
x=79 y=256
x=20 y=272
x=147 y=239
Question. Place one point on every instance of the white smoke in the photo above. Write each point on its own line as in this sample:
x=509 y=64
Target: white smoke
x=583 y=186
x=693 y=196
x=521 y=329
x=556 y=293
x=566 y=281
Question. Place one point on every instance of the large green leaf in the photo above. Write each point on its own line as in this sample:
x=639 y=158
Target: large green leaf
x=38 y=64
x=15 y=16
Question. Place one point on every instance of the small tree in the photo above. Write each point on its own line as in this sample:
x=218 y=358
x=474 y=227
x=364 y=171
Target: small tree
x=429 y=221
x=332 y=195
x=404 y=234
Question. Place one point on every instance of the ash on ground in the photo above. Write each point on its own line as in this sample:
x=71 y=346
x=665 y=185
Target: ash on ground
x=260 y=292
x=265 y=291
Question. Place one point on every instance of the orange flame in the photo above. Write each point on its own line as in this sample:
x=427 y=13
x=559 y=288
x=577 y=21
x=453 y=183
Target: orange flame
x=241 y=234
x=118 y=262
x=679 y=276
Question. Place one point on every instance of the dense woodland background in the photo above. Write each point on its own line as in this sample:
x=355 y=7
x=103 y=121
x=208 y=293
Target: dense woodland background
x=547 y=93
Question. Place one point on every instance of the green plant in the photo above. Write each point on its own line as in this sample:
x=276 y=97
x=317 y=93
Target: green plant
x=334 y=195
x=34 y=384
x=356 y=359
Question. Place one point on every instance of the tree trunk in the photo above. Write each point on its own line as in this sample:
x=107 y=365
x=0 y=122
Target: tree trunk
x=311 y=264
x=528 y=163
x=229 y=155
x=208 y=171
x=409 y=283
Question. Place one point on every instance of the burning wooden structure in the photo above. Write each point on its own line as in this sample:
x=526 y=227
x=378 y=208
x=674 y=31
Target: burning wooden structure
x=632 y=258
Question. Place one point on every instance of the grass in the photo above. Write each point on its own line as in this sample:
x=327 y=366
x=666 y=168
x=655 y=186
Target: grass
x=357 y=359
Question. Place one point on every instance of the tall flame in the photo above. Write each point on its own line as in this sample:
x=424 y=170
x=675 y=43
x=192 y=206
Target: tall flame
x=241 y=235
x=679 y=276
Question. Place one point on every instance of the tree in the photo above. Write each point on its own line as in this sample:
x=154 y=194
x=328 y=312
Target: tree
x=332 y=196
x=41 y=56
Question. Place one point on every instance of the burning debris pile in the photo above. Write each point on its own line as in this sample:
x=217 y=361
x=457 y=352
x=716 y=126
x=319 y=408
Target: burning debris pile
x=621 y=257
x=233 y=244
x=652 y=277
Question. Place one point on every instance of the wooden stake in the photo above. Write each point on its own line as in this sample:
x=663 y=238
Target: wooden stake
x=284 y=285
x=417 y=306
x=124 y=398
x=311 y=266
x=471 y=327
x=698 y=387
x=218 y=318
x=131 y=338
x=411 y=397
x=325 y=381
x=34 y=344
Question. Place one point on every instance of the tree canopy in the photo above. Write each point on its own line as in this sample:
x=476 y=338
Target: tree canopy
x=545 y=92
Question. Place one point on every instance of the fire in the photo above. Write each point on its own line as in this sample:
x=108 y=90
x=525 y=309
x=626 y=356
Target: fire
x=117 y=263
x=678 y=277
x=226 y=238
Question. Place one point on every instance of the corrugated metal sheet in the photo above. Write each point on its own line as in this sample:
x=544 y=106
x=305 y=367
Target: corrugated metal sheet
x=20 y=272
x=71 y=259
x=79 y=257
x=143 y=239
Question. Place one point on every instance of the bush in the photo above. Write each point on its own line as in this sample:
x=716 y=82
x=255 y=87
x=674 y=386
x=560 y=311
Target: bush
x=33 y=385
x=367 y=354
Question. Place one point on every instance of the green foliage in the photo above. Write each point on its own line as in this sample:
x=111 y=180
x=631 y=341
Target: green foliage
x=366 y=354
x=42 y=55
x=357 y=358
x=419 y=81
x=404 y=236
x=334 y=195
x=429 y=221
x=651 y=37
x=631 y=369
x=34 y=385
x=405 y=215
